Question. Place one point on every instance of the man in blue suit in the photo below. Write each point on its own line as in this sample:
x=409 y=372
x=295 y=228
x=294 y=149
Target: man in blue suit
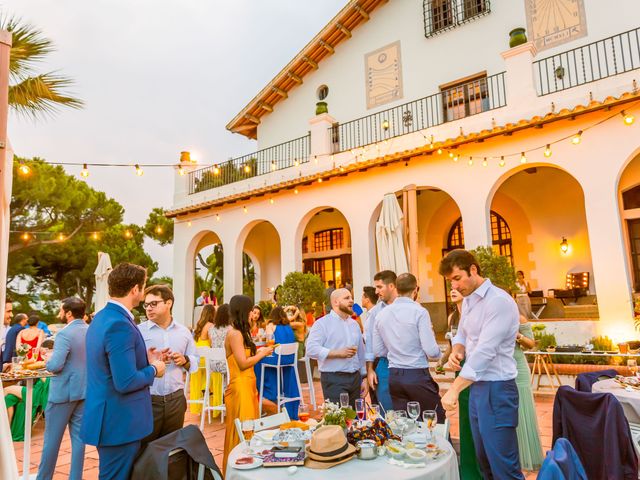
x=117 y=411
x=66 y=391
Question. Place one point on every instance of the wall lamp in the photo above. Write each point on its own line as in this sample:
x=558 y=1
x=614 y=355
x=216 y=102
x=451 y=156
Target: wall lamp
x=564 y=245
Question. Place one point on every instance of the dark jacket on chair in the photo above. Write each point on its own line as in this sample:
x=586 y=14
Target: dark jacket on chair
x=595 y=425
x=155 y=463
x=584 y=381
x=562 y=463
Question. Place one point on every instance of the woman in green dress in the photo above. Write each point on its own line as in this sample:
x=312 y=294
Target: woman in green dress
x=469 y=469
x=528 y=433
x=14 y=398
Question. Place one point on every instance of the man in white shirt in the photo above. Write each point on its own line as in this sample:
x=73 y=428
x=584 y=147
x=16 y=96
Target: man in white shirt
x=335 y=340
x=485 y=340
x=174 y=343
x=404 y=335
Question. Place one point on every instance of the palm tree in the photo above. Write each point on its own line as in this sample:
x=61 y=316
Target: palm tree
x=31 y=93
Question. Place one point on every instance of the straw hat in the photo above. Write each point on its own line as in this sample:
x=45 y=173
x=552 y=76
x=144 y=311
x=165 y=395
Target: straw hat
x=329 y=447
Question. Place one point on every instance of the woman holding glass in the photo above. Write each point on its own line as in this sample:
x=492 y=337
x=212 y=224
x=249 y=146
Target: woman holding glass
x=197 y=379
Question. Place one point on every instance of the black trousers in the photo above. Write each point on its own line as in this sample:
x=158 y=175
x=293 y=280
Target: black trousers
x=415 y=385
x=168 y=415
x=335 y=383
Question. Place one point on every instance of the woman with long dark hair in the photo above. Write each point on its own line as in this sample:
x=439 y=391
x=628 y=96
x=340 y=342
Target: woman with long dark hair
x=241 y=396
x=197 y=379
x=282 y=334
x=256 y=321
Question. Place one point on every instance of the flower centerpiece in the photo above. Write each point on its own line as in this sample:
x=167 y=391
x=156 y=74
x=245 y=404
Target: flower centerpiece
x=22 y=350
x=333 y=414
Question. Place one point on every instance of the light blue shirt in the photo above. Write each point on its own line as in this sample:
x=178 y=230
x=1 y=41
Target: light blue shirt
x=488 y=327
x=370 y=324
x=178 y=339
x=330 y=333
x=403 y=333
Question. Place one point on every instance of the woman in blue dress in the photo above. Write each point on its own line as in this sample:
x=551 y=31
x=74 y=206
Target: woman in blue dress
x=283 y=334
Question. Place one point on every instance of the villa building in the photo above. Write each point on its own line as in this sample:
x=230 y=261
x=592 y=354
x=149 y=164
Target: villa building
x=532 y=149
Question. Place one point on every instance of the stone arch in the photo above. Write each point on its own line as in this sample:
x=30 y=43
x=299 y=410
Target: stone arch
x=260 y=240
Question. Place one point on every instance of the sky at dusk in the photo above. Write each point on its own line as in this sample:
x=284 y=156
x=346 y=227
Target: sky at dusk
x=157 y=77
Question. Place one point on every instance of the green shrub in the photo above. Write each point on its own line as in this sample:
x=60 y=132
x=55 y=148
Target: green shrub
x=496 y=268
x=305 y=290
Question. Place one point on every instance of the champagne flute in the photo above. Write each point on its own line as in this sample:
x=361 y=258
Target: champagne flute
x=360 y=409
x=401 y=421
x=633 y=366
x=430 y=418
x=247 y=432
x=344 y=400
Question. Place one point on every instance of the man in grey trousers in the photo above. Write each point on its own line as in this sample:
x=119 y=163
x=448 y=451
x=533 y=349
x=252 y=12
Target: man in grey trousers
x=66 y=391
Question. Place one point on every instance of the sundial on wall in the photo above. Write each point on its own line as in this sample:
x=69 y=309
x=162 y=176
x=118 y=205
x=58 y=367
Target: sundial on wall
x=554 y=22
x=384 y=75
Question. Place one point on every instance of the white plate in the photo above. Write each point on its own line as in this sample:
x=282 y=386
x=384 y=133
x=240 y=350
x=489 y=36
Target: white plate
x=266 y=435
x=257 y=462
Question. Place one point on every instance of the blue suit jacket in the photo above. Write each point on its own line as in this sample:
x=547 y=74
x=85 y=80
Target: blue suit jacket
x=69 y=361
x=117 y=408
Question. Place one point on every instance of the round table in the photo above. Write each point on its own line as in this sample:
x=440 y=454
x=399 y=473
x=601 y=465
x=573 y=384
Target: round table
x=445 y=468
x=630 y=400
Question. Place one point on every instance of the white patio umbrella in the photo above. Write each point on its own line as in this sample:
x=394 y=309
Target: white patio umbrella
x=389 y=237
x=101 y=273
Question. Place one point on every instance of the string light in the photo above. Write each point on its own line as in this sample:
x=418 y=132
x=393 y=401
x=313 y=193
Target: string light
x=455 y=157
x=296 y=162
x=94 y=236
x=431 y=143
x=576 y=138
x=439 y=151
x=295 y=191
x=342 y=169
x=24 y=169
x=523 y=158
x=85 y=171
x=216 y=170
x=502 y=162
x=25 y=236
x=189 y=224
x=272 y=201
x=181 y=170
x=159 y=230
x=217 y=217
x=139 y=171
x=470 y=161
x=245 y=209
x=484 y=162
x=128 y=234
x=319 y=180
x=451 y=154
x=628 y=118
x=273 y=166
x=547 y=151
x=385 y=124
x=247 y=169
x=61 y=237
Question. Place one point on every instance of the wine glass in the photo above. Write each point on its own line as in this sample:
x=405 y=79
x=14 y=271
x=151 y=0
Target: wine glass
x=633 y=366
x=344 y=400
x=303 y=412
x=413 y=410
x=401 y=421
x=247 y=432
x=430 y=418
x=360 y=409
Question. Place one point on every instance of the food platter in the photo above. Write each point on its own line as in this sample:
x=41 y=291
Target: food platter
x=25 y=375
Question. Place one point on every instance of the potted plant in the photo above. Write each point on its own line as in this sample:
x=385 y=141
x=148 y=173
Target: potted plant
x=321 y=107
x=517 y=36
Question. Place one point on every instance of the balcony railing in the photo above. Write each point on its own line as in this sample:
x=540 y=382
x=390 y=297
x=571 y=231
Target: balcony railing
x=463 y=100
x=285 y=155
x=588 y=63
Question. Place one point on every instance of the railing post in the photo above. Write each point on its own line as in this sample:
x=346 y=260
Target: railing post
x=320 y=130
x=181 y=182
x=520 y=84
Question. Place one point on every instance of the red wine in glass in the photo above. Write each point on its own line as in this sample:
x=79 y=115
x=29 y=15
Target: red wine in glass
x=360 y=415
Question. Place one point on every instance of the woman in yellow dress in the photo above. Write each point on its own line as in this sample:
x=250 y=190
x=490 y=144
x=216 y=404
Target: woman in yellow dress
x=241 y=396
x=201 y=336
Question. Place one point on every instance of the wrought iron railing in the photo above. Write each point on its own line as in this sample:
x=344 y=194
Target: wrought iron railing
x=470 y=98
x=285 y=155
x=588 y=63
x=443 y=15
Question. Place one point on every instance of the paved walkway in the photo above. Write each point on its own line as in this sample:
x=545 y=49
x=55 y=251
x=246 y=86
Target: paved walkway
x=214 y=434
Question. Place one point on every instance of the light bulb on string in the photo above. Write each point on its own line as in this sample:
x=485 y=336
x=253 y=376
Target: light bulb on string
x=470 y=162
x=25 y=237
x=181 y=171
x=431 y=143
x=189 y=224
x=94 y=236
x=547 y=151
x=159 y=230
x=455 y=157
x=627 y=118
x=484 y=162
x=451 y=154
x=296 y=162
x=247 y=169
x=577 y=138
x=139 y=170
x=84 y=173
x=273 y=166
x=128 y=234
x=24 y=169
x=439 y=151
x=502 y=163
x=272 y=201
x=61 y=237
x=216 y=170
x=295 y=191
x=217 y=217
x=245 y=210
x=523 y=158
x=319 y=180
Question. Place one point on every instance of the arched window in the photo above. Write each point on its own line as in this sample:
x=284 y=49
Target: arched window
x=500 y=236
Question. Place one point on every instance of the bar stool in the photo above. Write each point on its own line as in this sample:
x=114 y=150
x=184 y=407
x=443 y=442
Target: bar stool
x=309 y=387
x=281 y=350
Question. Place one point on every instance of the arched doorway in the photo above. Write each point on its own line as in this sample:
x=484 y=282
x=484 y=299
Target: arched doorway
x=326 y=247
x=629 y=201
x=261 y=263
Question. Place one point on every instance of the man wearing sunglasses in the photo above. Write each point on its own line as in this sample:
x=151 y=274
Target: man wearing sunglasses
x=172 y=343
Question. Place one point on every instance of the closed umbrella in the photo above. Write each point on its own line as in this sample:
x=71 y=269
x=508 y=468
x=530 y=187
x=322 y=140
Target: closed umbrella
x=102 y=273
x=389 y=237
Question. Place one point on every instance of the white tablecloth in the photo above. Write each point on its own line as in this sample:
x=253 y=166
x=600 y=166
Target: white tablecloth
x=630 y=400
x=445 y=468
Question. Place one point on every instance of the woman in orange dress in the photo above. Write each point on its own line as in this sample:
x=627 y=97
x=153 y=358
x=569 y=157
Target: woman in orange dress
x=241 y=395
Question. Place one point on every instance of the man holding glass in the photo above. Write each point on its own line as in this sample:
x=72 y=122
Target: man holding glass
x=335 y=340
x=485 y=339
x=403 y=333
x=172 y=343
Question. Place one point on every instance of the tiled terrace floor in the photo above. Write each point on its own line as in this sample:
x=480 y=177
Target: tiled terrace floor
x=214 y=434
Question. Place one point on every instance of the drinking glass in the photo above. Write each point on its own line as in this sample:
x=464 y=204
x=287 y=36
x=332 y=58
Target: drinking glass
x=430 y=418
x=390 y=416
x=15 y=364
x=271 y=341
x=633 y=366
x=344 y=400
x=303 y=412
x=360 y=409
x=247 y=432
x=413 y=410
x=401 y=421
x=374 y=411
